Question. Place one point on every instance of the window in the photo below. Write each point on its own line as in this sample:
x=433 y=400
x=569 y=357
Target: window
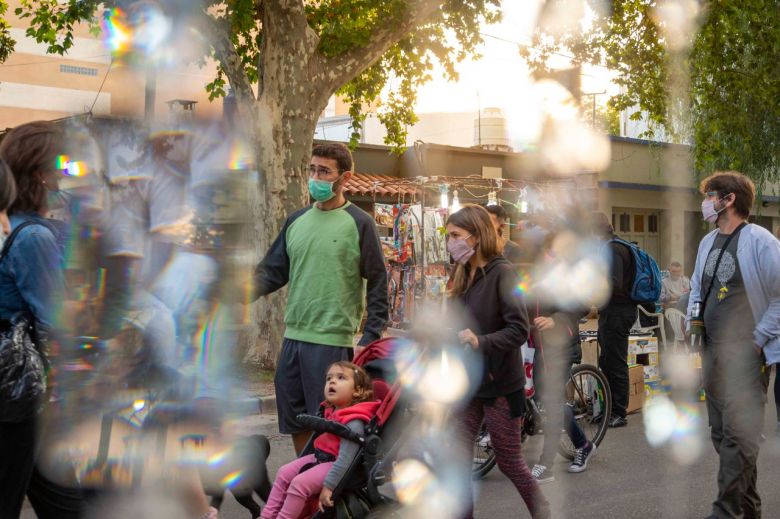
x=82 y=71
x=652 y=223
x=625 y=223
x=639 y=223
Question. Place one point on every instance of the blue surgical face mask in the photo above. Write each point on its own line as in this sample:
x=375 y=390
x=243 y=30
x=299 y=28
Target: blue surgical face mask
x=322 y=190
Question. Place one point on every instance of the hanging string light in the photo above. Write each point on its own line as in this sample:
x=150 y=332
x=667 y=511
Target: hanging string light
x=445 y=202
x=492 y=198
x=455 y=207
x=522 y=200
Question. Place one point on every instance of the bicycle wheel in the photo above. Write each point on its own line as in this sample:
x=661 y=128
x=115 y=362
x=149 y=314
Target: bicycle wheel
x=484 y=456
x=588 y=394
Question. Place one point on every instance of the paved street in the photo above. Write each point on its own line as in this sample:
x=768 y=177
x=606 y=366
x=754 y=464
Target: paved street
x=626 y=478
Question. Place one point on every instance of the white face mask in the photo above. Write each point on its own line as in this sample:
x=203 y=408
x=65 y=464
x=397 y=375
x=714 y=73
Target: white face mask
x=708 y=211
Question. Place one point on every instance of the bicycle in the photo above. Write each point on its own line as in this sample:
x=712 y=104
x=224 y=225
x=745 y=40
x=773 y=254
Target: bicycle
x=587 y=392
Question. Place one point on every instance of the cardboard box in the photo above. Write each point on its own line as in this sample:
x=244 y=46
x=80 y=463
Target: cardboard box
x=652 y=388
x=645 y=359
x=636 y=389
x=590 y=353
x=638 y=344
x=652 y=373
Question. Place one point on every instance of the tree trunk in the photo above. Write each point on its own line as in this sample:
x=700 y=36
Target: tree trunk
x=283 y=141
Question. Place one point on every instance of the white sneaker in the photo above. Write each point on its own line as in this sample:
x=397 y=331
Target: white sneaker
x=541 y=474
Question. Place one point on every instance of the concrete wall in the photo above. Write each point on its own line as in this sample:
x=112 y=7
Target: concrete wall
x=35 y=85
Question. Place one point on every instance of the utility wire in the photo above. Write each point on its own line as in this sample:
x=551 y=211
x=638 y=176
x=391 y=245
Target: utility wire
x=518 y=43
x=101 y=86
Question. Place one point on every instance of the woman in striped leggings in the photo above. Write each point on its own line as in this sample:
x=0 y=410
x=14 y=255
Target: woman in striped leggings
x=495 y=326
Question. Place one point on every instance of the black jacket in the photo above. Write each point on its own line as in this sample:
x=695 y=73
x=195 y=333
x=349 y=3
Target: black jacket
x=496 y=314
x=621 y=275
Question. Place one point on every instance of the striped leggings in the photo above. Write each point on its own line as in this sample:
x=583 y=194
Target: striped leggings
x=505 y=439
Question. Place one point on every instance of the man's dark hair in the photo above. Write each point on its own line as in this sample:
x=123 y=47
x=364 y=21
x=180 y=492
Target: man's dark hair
x=497 y=210
x=31 y=151
x=727 y=182
x=7 y=186
x=335 y=151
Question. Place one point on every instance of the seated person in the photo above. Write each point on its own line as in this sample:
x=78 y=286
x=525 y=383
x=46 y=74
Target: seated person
x=349 y=400
x=674 y=285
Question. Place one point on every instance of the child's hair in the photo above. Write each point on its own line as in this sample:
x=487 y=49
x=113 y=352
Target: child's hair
x=363 y=386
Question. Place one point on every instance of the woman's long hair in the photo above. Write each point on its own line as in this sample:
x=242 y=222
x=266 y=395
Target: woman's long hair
x=31 y=151
x=7 y=187
x=475 y=220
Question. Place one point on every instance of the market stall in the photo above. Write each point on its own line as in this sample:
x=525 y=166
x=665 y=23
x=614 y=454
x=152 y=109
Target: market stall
x=412 y=228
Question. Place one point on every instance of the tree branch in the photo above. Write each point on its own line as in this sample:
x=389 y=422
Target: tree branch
x=218 y=32
x=353 y=62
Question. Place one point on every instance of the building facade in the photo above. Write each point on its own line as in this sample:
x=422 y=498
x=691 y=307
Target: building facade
x=35 y=85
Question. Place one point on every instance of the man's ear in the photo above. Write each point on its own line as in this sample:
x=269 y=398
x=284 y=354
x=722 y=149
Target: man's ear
x=342 y=182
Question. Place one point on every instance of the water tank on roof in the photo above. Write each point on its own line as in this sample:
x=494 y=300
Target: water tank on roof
x=490 y=131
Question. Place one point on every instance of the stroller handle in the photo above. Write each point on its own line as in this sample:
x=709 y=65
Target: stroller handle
x=321 y=425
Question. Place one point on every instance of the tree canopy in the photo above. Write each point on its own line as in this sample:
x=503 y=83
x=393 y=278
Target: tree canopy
x=714 y=82
x=358 y=47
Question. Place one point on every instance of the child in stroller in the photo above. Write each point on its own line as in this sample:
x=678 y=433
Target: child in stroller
x=356 y=492
x=349 y=400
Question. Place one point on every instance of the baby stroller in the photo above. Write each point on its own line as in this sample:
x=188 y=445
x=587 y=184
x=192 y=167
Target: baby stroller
x=357 y=494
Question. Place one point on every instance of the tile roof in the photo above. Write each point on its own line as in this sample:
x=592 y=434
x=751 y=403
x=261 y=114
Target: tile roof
x=365 y=184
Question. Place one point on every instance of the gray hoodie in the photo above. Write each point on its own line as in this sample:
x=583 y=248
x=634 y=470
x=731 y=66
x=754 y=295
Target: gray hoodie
x=758 y=253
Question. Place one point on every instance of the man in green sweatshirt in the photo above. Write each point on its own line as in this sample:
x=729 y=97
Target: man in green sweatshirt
x=330 y=256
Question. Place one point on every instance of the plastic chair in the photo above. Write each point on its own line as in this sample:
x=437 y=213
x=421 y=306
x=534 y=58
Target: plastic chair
x=649 y=329
x=677 y=319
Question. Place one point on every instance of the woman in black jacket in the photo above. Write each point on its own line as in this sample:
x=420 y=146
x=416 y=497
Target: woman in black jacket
x=484 y=284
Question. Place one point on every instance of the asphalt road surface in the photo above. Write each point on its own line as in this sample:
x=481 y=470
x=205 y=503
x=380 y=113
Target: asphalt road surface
x=627 y=478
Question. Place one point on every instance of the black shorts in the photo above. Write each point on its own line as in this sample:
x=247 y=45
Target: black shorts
x=300 y=379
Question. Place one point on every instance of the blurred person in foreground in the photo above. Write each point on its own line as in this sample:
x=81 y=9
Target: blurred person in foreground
x=496 y=322
x=31 y=284
x=674 y=285
x=616 y=320
x=330 y=256
x=555 y=335
x=509 y=249
x=737 y=287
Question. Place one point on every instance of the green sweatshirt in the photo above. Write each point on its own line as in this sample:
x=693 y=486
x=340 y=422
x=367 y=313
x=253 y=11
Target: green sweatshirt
x=332 y=262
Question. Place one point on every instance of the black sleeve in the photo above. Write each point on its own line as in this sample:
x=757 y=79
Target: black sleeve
x=372 y=269
x=513 y=312
x=273 y=272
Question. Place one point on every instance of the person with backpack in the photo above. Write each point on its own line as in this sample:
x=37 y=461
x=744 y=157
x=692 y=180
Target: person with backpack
x=31 y=287
x=616 y=319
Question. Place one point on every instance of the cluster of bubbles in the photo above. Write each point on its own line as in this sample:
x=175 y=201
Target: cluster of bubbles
x=431 y=478
x=174 y=199
x=161 y=33
x=674 y=421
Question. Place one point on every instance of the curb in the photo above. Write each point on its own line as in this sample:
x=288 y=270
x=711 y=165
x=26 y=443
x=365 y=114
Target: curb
x=268 y=404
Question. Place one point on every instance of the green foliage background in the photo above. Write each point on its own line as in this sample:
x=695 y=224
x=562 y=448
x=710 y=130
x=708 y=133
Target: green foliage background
x=727 y=81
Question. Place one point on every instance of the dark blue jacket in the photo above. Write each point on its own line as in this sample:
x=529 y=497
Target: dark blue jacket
x=31 y=275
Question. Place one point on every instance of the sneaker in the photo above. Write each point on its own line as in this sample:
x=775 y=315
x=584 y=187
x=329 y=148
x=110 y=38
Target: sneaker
x=541 y=474
x=618 y=421
x=581 y=457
